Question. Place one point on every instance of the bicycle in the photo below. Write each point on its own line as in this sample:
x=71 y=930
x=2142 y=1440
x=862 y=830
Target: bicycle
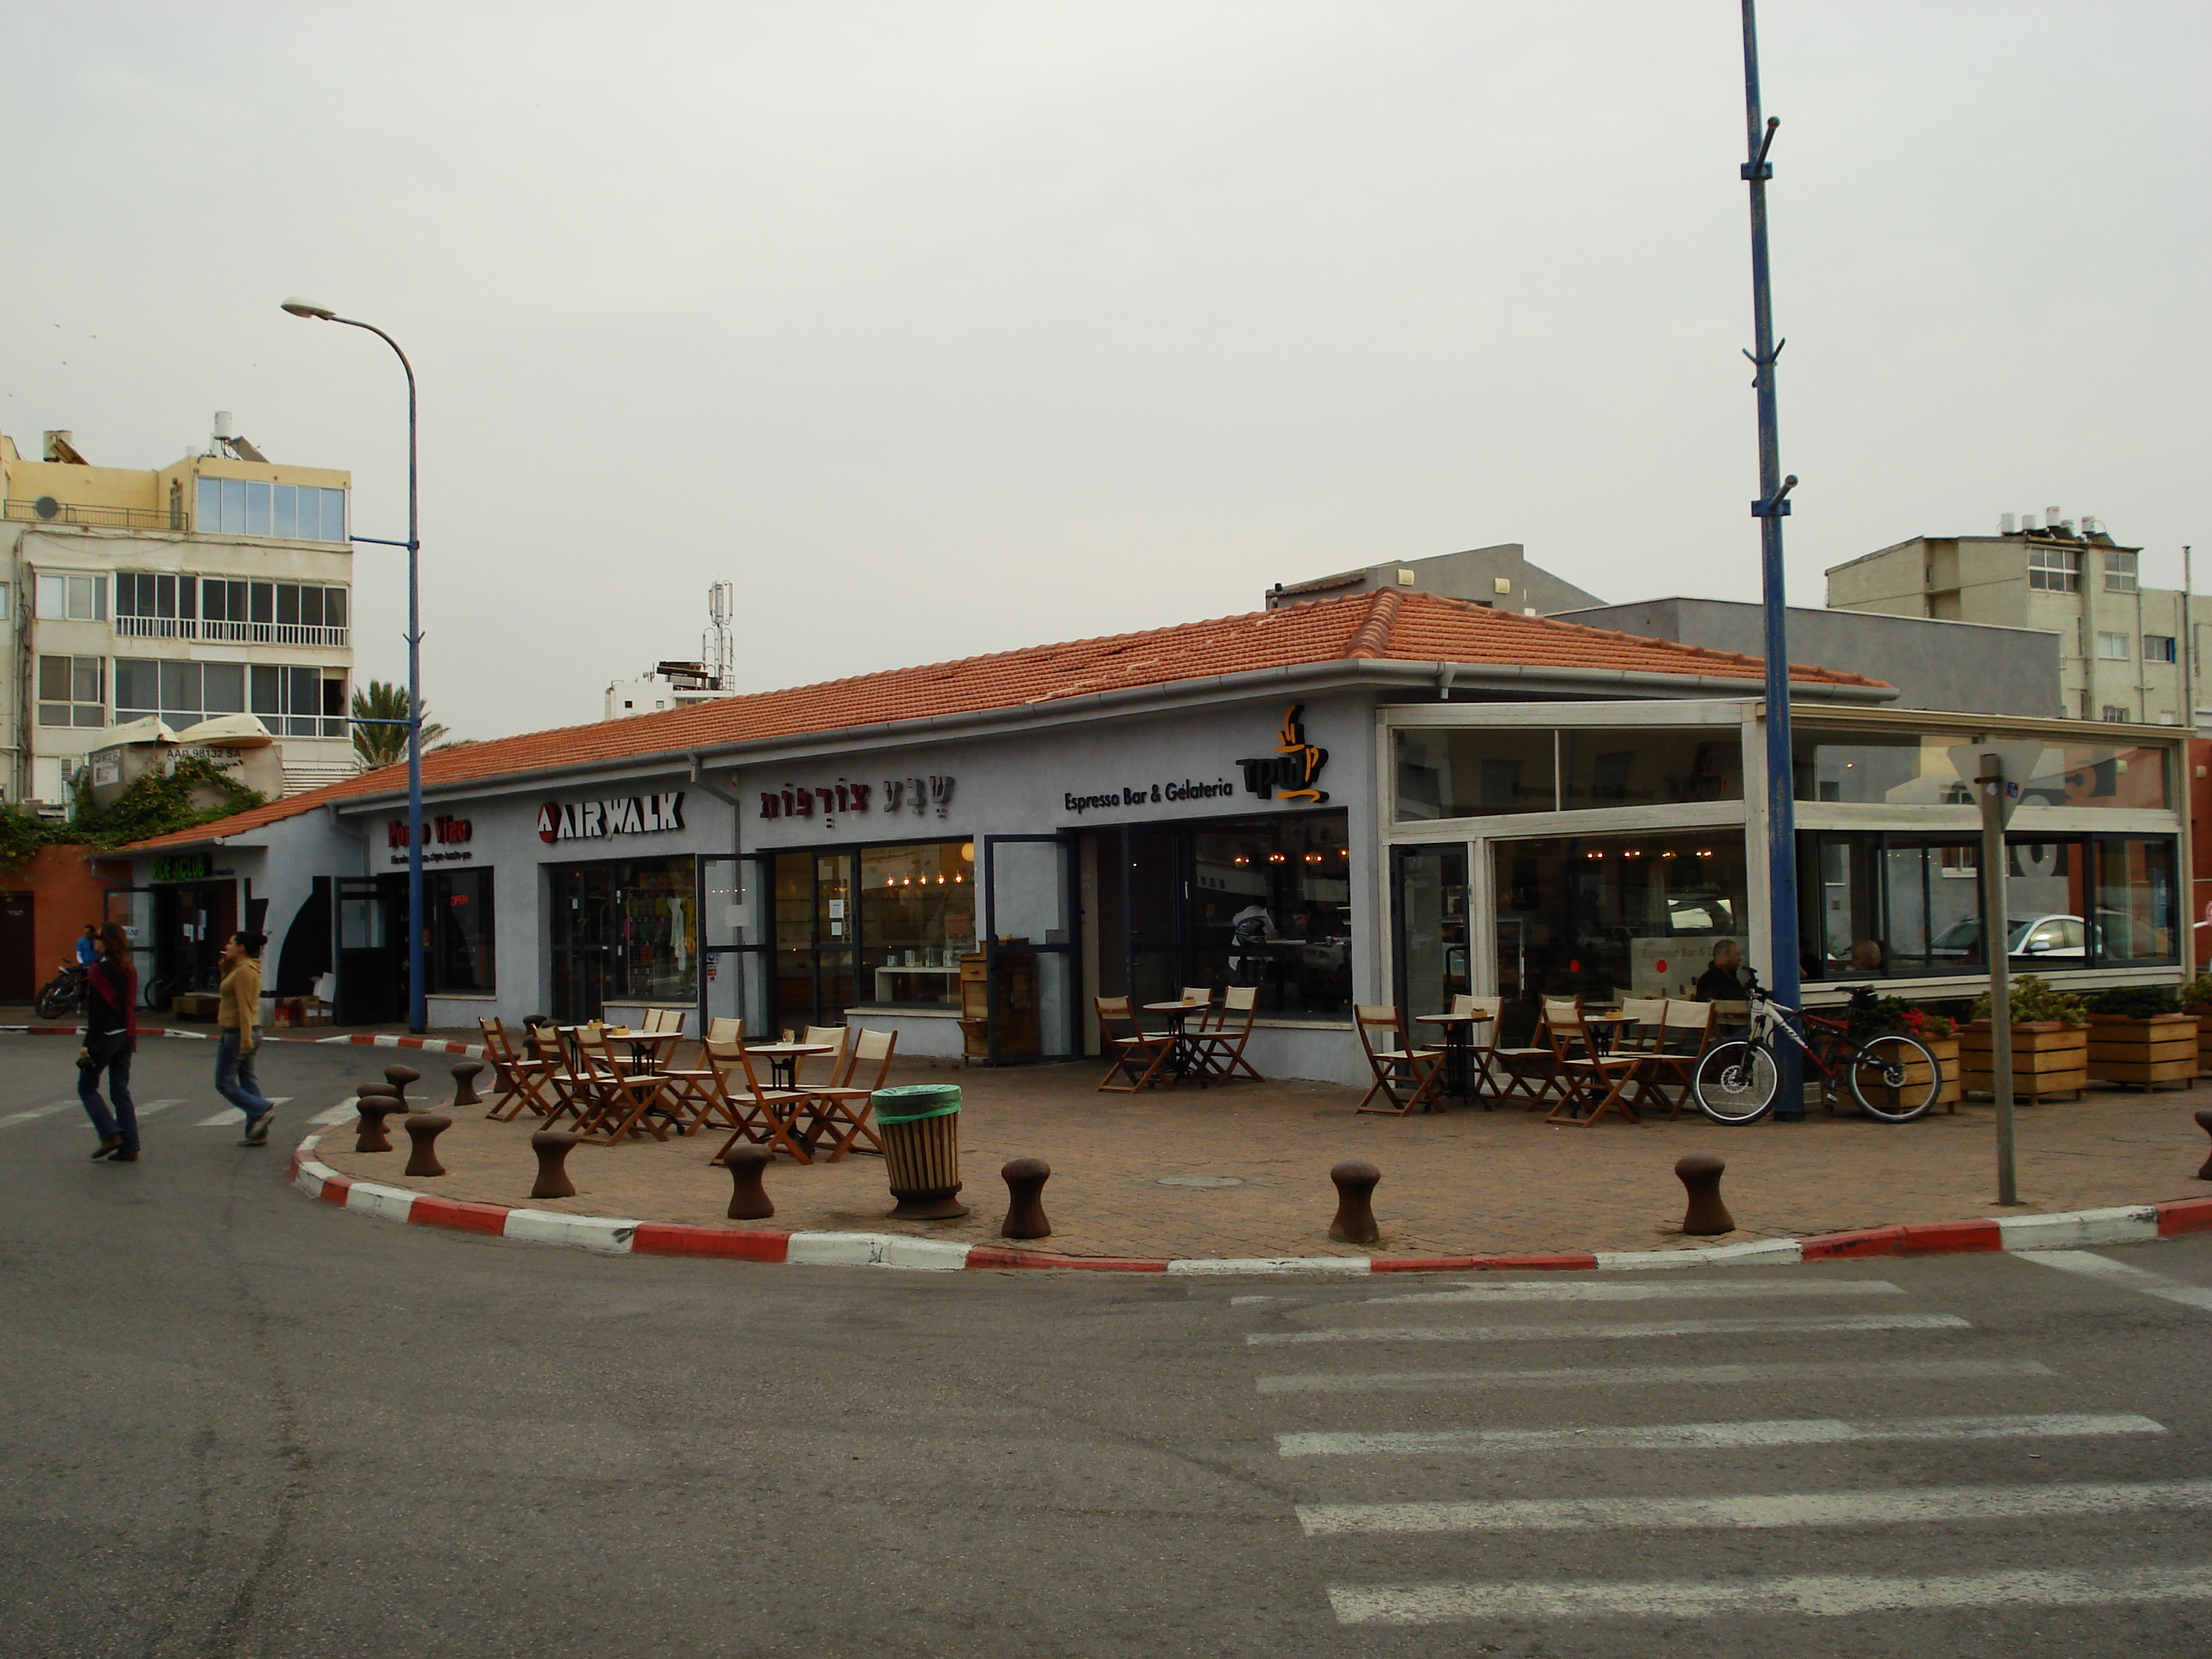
x=1893 y=1077
x=61 y=994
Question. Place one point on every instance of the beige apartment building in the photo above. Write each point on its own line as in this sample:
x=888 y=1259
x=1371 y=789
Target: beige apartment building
x=2124 y=648
x=220 y=583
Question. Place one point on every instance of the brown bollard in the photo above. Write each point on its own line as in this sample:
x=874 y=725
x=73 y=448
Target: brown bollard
x=749 y=1199
x=465 y=1073
x=400 y=1077
x=1700 y=1172
x=1355 y=1180
x=2205 y=1122
x=374 y=1108
x=369 y=1091
x=424 y=1129
x=1025 y=1178
x=552 y=1148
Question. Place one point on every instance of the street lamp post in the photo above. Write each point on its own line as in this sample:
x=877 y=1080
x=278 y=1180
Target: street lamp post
x=417 y=1001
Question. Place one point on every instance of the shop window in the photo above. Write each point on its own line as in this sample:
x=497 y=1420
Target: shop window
x=458 y=917
x=1891 y=904
x=1270 y=907
x=1603 y=917
x=72 y=598
x=247 y=506
x=72 y=691
x=917 y=919
x=625 y=932
x=1913 y=769
x=1461 y=772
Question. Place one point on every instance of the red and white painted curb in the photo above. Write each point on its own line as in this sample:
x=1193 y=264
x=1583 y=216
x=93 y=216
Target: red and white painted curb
x=2072 y=1230
x=367 y=1039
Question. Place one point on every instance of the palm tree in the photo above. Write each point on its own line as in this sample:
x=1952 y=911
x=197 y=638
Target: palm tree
x=380 y=745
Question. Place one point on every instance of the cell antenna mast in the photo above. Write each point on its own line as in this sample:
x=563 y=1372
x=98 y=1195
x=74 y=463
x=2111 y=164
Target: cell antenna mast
x=1770 y=509
x=715 y=649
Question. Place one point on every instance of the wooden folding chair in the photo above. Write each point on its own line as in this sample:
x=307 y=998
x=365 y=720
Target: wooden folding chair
x=1645 y=1038
x=840 y=1038
x=724 y=1029
x=1529 y=1074
x=766 y=1117
x=1673 y=1071
x=1221 y=1048
x=1397 y=1065
x=520 y=1079
x=1151 y=1051
x=559 y=1090
x=842 y=1112
x=1589 y=1075
x=1481 y=1044
x=698 y=1087
x=629 y=1096
x=1208 y=1017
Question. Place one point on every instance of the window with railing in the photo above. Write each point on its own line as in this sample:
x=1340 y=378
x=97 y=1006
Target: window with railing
x=149 y=606
x=245 y=507
x=2054 y=569
x=182 y=693
x=72 y=691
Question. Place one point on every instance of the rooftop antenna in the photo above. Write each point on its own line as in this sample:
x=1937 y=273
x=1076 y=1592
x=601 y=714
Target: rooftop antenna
x=1771 y=506
x=715 y=647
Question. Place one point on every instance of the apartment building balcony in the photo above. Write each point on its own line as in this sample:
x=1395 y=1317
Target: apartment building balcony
x=232 y=633
x=46 y=509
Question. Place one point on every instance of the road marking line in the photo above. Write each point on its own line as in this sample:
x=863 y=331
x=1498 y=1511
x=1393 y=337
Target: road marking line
x=349 y=1107
x=2092 y=1266
x=232 y=1115
x=1603 y=1290
x=1835 y=1596
x=1610 y=1375
x=1841 y=1508
x=153 y=1106
x=13 y=1118
x=1698 y=1437
x=1613 y=1332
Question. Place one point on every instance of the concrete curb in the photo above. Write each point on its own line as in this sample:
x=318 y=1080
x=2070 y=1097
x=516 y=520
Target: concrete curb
x=609 y=1236
x=367 y=1039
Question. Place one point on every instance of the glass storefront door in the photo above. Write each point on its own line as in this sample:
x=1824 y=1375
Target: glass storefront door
x=1428 y=910
x=814 y=938
x=1030 y=946
x=625 y=932
x=733 y=932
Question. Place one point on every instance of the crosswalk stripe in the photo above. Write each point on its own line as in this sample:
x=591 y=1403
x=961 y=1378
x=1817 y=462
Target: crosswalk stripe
x=1690 y=1290
x=1794 y=1324
x=1830 y=1595
x=13 y=1118
x=234 y=1118
x=148 y=1108
x=1694 y=1437
x=1629 y=1376
x=2092 y=1265
x=1841 y=1508
x=349 y=1107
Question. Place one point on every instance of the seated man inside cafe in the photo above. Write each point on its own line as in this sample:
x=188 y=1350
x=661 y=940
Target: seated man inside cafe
x=1724 y=979
x=1867 y=957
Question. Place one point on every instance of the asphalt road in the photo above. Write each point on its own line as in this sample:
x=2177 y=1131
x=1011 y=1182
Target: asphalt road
x=241 y=1423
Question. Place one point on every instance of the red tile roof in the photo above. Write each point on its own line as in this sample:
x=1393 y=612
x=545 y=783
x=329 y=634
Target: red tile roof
x=1390 y=623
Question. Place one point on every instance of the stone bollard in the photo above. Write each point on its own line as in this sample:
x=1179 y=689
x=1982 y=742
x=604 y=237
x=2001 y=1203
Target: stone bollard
x=1700 y=1172
x=552 y=1148
x=465 y=1073
x=370 y=1092
x=2205 y=1122
x=400 y=1077
x=374 y=1108
x=1025 y=1178
x=424 y=1129
x=749 y=1199
x=1355 y=1180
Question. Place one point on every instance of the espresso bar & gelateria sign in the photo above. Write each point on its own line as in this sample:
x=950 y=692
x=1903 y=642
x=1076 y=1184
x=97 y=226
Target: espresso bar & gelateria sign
x=1289 y=773
x=625 y=815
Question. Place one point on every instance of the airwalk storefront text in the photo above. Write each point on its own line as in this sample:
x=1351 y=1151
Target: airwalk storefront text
x=1327 y=837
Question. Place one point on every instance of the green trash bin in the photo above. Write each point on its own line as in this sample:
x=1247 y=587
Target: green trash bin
x=918 y=1124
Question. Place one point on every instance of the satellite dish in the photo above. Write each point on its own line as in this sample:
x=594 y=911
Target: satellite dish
x=46 y=507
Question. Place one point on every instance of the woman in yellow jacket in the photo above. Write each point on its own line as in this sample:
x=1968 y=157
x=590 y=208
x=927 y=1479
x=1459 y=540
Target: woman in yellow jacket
x=239 y=1015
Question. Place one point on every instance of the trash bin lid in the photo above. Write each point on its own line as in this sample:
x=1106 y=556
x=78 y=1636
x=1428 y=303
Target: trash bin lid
x=911 y=1101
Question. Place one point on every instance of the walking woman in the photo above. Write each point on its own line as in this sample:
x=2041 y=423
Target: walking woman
x=110 y=1037
x=238 y=1013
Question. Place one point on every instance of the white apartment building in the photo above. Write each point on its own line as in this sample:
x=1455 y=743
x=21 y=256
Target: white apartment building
x=2124 y=648
x=220 y=583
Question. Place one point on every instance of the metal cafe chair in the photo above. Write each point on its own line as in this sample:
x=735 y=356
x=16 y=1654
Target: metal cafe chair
x=1142 y=1057
x=1398 y=1065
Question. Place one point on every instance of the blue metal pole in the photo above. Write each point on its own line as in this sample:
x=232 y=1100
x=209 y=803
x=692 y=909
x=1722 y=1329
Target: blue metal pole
x=1771 y=506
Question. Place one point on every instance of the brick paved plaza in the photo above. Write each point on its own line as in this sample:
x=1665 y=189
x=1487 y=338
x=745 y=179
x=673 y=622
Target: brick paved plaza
x=1465 y=1181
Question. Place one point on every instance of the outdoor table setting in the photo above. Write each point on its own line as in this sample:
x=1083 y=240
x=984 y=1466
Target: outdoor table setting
x=647 y=1048
x=783 y=1059
x=1186 y=1061
x=1458 y=1029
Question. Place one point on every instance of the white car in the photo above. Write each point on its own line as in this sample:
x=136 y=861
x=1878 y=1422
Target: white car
x=2032 y=936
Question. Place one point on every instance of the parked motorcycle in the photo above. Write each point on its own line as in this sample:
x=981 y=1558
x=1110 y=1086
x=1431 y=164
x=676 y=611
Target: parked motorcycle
x=62 y=995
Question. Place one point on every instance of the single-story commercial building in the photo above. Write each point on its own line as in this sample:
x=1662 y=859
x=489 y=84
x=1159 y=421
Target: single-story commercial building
x=1387 y=797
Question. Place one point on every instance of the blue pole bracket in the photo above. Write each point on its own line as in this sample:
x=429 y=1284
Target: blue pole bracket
x=1778 y=505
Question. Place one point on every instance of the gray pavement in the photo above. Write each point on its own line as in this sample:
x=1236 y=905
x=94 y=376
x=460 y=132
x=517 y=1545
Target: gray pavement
x=245 y=1423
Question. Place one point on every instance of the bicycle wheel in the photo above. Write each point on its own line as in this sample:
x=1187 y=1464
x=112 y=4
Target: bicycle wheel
x=1736 y=1082
x=157 y=992
x=1894 y=1077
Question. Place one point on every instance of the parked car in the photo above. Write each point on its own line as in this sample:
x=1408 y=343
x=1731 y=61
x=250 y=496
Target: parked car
x=2062 y=937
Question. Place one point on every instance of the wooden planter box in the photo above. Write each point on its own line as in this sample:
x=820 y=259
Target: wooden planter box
x=2144 y=1051
x=2204 y=1043
x=1946 y=1050
x=2047 y=1058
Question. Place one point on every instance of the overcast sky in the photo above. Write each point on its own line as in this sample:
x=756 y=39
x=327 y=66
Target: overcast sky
x=943 y=328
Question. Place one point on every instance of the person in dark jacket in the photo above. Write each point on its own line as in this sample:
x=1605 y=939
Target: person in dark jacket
x=1723 y=979
x=110 y=1037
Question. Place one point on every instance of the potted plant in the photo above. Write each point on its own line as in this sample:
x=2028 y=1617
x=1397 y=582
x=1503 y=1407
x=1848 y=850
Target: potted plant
x=1935 y=1030
x=2197 y=999
x=2139 y=1036
x=2049 y=1042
